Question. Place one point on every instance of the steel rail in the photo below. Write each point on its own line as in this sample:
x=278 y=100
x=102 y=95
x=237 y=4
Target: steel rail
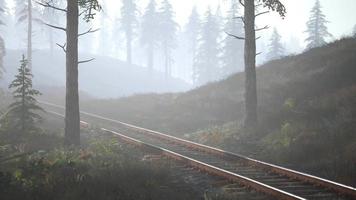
x=210 y=169
x=303 y=177
x=280 y=194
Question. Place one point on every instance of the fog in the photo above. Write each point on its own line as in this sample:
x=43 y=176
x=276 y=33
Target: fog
x=177 y=99
x=115 y=78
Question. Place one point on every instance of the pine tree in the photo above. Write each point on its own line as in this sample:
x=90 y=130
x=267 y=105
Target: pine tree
x=129 y=14
x=192 y=30
x=220 y=22
x=105 y=35
x=168 y=33
x=23 y=116
x=3 y=8
x=354 y=32
x=2 y=55
x=87 y=10
x=24 y=13
x=51 y=17
x=249 y=19
x=149 y=33
x=2 y=41
x=232 y=57
x=276 y=49
x=206 y=66
x=72 y=115
x=316 y=27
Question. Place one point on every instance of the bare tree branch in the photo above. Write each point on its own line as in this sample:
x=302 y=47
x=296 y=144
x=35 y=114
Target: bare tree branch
x=260 y=29
x=241 y=3
x=48 y=5
x=88 y=31
x=63 y=47
x=86 y=61
x=241 y=17
x=56 y=27
x=259 y=53
x=235 y=36
x=261 y=13
x=81 y=13
x=259 y=37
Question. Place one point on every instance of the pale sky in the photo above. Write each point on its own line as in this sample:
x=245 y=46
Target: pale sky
x=340 y=13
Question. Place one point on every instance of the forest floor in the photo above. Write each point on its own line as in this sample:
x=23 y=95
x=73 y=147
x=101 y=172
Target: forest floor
x=307 y=122
x=307 y=112
x=39 y=166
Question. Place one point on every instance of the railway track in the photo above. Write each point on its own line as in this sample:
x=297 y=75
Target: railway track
x=274 y=181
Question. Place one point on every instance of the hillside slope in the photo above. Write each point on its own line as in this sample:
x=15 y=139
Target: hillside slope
x=300 y=78
x=104 y=77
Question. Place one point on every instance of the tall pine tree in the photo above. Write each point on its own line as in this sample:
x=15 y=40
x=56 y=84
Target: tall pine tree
x=149 y=33
x=168 y=34
x=52 y=17
x=23 y=116
x=316 y=27
x=129 y=14
x=24 y=12
x=87 y=9
x=249 y=20
x=276 y=49
x=192 y=30
x=105 y=36
x=233 y=50
x=206 y=66
x=3 y=9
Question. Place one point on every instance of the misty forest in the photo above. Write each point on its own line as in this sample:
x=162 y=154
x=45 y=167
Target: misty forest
x=177 y=99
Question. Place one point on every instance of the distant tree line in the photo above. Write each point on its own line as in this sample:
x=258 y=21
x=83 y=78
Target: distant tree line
x=215 y=54
x=219 y=47
x=2 y=41
x=157 y=32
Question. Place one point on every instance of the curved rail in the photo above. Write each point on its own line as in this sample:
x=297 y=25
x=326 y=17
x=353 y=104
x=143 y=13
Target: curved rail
x=337 y=187
x=211 y=169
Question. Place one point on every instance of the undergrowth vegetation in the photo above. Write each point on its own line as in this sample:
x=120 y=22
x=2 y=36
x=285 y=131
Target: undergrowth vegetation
x=103 y=169
x=307 y=122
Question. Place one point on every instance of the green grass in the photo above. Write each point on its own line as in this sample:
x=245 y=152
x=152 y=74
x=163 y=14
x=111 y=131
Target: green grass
x=315 y=72
x=307 y=112
x=100 y=171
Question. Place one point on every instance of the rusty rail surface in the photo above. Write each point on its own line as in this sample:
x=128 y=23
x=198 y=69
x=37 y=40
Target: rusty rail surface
x=303 y=177
x=255 y=185
x=210 y=169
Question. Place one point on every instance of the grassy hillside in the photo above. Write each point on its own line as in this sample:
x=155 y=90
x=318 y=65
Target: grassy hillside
x=105 y=77
x=301 y=77
x=307 y=109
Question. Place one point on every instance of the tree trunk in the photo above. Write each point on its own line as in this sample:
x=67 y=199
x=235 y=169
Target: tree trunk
x=29 y=35
x=150 y=57
x=250 y=66
x=72 y=118
x=23 y=100
x=128 y=47
x=51 y=46
x=166 y=61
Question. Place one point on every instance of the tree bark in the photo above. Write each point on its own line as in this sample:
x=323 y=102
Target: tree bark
x=29 y=35
x=129 y=47
x=51 y=46
x=150 y=54
x=72 y=118
x=23 y=100
x=166 y=61
x=250 y=65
